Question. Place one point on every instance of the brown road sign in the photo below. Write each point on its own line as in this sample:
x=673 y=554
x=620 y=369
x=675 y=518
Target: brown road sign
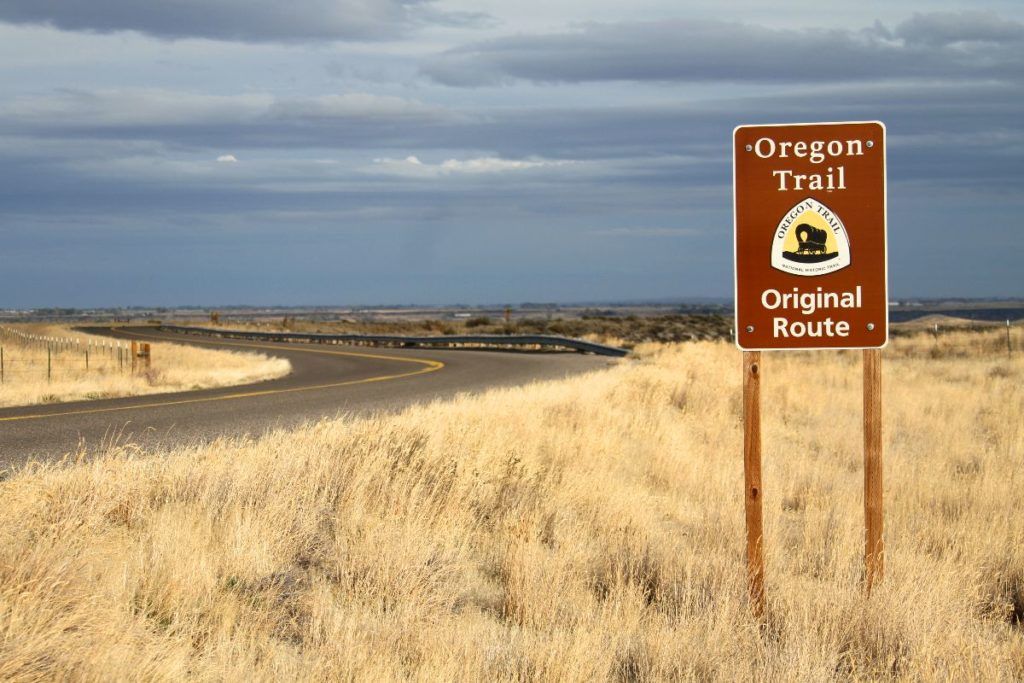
x=810 y=211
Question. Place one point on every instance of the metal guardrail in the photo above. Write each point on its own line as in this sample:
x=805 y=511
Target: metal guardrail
x=494 y=341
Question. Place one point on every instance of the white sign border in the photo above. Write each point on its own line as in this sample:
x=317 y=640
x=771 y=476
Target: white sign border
x=735 y=234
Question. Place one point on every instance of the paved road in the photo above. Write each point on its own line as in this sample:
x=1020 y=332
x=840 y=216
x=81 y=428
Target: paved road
x=326 y=381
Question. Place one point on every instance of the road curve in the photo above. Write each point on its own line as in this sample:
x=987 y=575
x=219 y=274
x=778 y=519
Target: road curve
x=326 y=381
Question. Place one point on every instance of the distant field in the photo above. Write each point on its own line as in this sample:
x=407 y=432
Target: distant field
x=949 y=322
x=618 y=324
x=586 y=529
x=77 y=366
x=991 y=313
x=617 y=330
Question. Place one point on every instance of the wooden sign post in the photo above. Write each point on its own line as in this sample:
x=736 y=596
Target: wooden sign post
x=873 y=548
x=752 y=477
x=810 y=249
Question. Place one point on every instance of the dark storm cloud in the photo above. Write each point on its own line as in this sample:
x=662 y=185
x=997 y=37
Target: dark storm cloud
x=145 y=171
x=237 y=20
x=153 y=195
x=666 y=166
x=944 y=45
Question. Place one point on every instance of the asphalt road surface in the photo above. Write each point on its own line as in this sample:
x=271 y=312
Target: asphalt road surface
x=326 y=381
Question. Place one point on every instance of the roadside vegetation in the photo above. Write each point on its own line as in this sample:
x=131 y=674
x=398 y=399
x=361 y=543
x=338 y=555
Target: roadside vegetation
x=81 y=367
x=586 y=529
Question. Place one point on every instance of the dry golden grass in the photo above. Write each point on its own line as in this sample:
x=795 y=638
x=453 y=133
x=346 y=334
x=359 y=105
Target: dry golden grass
x=589 y=529
x=174 y=367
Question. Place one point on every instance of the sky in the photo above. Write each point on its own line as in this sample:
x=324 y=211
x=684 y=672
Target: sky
x=360 y=152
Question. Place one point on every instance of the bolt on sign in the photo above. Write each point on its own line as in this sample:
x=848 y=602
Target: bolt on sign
x=810 y=236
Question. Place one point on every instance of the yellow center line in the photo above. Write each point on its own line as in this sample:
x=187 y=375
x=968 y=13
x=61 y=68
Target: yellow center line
x=431 y=366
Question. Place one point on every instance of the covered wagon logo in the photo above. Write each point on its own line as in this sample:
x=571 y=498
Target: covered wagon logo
x=810 y=240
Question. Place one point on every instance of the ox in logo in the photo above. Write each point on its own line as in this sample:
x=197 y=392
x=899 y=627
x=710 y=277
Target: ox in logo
x=810 y=240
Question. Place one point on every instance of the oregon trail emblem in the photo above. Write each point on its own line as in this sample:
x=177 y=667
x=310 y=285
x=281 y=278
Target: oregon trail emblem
x=810 y=240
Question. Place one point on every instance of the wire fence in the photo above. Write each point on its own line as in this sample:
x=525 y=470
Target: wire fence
x=937 y=340
x=29 y=357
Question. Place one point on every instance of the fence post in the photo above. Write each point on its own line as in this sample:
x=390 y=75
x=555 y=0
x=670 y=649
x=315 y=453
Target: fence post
x=48 y=364
x=1009 y=351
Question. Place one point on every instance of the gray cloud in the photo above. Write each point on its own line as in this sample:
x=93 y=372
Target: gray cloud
x=968 y=44
x=109 y=148
x=940 y=29
x=977 y=126
x=106 y=178
x=237 y=20
x=187 y=118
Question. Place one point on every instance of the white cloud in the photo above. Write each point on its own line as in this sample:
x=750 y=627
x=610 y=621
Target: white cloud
x=412 y=166
x=227 y=159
